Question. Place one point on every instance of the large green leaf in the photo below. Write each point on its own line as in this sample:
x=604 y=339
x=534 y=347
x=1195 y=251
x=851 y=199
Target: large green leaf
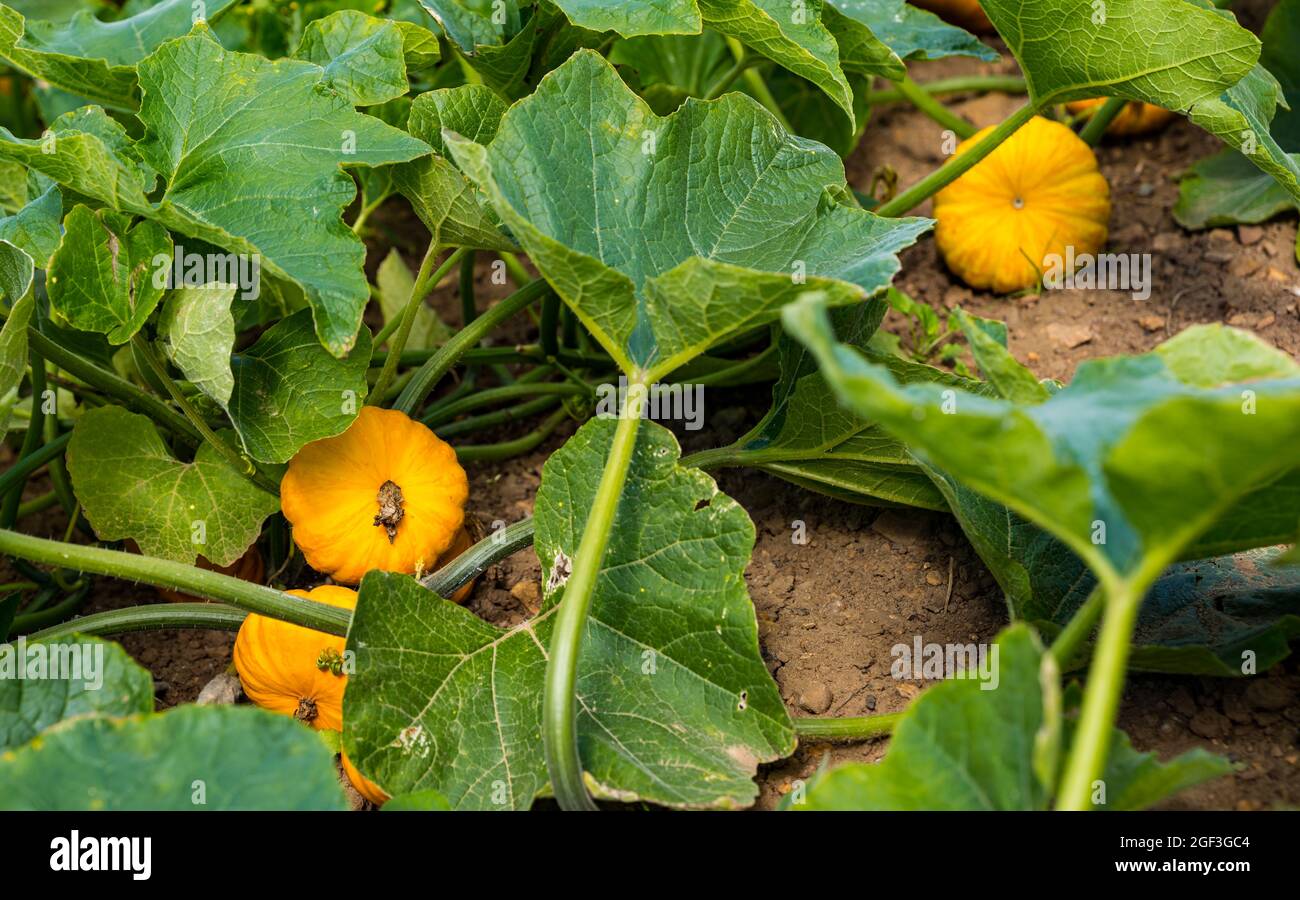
x=675 y=704
x=99 y=678
x=239 y=174
x=13 y=334
x=190 y=758
x=103 y=276
x=36 y=227
x=1104 y=465
x=366 y=58
x=130 y=486
x=446 y=202
x=909 y=32
x=197 y=332
x=964 y=745
x=666 y=234
x=91 y=58
x=633 y=18
x=289 y=391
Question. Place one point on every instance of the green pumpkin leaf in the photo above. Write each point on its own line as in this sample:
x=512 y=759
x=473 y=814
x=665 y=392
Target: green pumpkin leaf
x=633 y=18
x=36 y=228
x=13 y=333
x=675 y=704
x=446 y=202
x=909 y=32
x=130 y=486
x=963 y=745
x=1079 y=464
x=108 y=682
x=365 y=58
x=197 y=332
x=189 y=758
x=94 y=59
x=667 y=234
x=103 y=278
x=289 y=391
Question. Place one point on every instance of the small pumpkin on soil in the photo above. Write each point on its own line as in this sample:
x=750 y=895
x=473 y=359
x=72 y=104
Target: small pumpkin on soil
x=385 y=494
x=966 y=13
x=1037 y=193
x=293 y=670
x=365 y=787
x=1135 y=119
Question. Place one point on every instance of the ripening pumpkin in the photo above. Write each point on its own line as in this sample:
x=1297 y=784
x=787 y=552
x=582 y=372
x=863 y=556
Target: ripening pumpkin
x=385 y=494
x=1037 y=193
x=365 y=787
x=293 y=670
x=1136 y=117
x=966 y=13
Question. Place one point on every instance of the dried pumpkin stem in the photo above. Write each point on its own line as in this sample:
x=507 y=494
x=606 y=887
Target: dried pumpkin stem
x=559 y=707
x=957 y=166
x=177 y=576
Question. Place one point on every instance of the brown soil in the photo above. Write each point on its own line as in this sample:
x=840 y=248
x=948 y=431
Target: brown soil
x=830 y=610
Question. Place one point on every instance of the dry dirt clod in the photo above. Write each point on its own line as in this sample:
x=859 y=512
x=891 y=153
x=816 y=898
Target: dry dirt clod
x=1210 y=724
x=1267 y=694
x=1068 y=336
x=529 y=593
x=899 y=527
x=815 y=699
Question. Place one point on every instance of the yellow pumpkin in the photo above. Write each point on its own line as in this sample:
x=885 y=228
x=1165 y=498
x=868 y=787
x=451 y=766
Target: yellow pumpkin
x=966 y=13
x=365 y=787
x=1039 y=192
x=1136 y=118
x=385 y=494
x=293 y=670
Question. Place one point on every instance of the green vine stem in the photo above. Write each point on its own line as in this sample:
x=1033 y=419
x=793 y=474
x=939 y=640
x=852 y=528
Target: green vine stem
x=955 y=167
x=60 y=480
x=925 y=102
x=16 y=475
x=12 y=492
x=177 y=576
x=238 y=461
x=37 y=504
x=425 y=280
x=1105 y=683
x=488 y=396
x=52 y=615
x=847 y=728
x=118 y=388
x=476 y=560
x=515 y=447
x=428 y=375
x=728 y=78
x=1006 y=84
x=1070 y=641
x=516 y=413
x=520 y=353
x=559 y=710
x=151 y=617
x=1100 y=120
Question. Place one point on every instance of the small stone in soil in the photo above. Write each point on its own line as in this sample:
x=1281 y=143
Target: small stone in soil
x=220 y=691
x=899 y=528
x=1209 y=724
x=1068 y=336
x=1267 y=694
x=815 y=699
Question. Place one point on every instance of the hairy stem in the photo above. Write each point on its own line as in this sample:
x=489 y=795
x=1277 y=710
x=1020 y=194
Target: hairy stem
x=957 y=166
x=428 y=375
x=150 y=617
x=476 y=560
x=926 y=103
x=178 y=577
x=559 y=708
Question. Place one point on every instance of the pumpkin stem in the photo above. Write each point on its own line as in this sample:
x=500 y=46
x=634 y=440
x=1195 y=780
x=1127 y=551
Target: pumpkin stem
x=390 y=508
x=306 y=711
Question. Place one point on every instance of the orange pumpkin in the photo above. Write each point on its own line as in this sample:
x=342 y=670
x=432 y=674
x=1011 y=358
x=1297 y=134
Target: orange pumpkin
x=1136 y=118
x=966 y=13
x=293 y=670
x=365 y=787
x=385 y=494
x=1035 y=195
